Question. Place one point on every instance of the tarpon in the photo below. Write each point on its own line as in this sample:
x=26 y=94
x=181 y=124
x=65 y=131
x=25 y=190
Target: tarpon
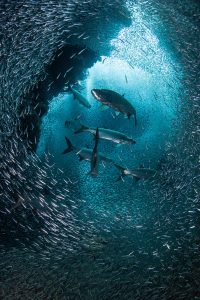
x=140 y=173
x=86 y=153
x=115 y=101
x=81 y=99
x=107 y=134
x=94 y=158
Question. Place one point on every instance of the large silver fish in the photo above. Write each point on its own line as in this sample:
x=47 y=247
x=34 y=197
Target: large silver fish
x=108 y=134
x=81 y=99
x=86 y=153
x=115 y=101
x=140 y=173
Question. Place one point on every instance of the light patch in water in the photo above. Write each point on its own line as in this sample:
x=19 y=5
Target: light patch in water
x=146 y=74
x=155 y=113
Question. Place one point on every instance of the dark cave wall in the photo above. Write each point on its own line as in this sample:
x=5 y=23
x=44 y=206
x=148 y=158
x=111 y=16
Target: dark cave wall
x=67 y=66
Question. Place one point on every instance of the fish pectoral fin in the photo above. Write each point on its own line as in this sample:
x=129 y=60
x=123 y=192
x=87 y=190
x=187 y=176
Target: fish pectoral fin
x=120 y=178
x=103 y=107
x=137 y=179
x=103 y=164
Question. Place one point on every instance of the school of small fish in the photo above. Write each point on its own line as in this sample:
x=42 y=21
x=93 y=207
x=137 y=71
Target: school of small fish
x=139 y=241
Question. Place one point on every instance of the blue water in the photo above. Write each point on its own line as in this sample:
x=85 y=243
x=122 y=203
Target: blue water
x=98 y=238
x=149 y=82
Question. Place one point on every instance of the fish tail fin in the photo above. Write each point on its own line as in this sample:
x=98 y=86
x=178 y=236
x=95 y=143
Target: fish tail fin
x=81 y=129
x=71 y=91
x=69 y=148
x=69 y=87
x=97 y=134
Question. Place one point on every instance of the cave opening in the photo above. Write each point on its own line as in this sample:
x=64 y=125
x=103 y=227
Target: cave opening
x=145 y=72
